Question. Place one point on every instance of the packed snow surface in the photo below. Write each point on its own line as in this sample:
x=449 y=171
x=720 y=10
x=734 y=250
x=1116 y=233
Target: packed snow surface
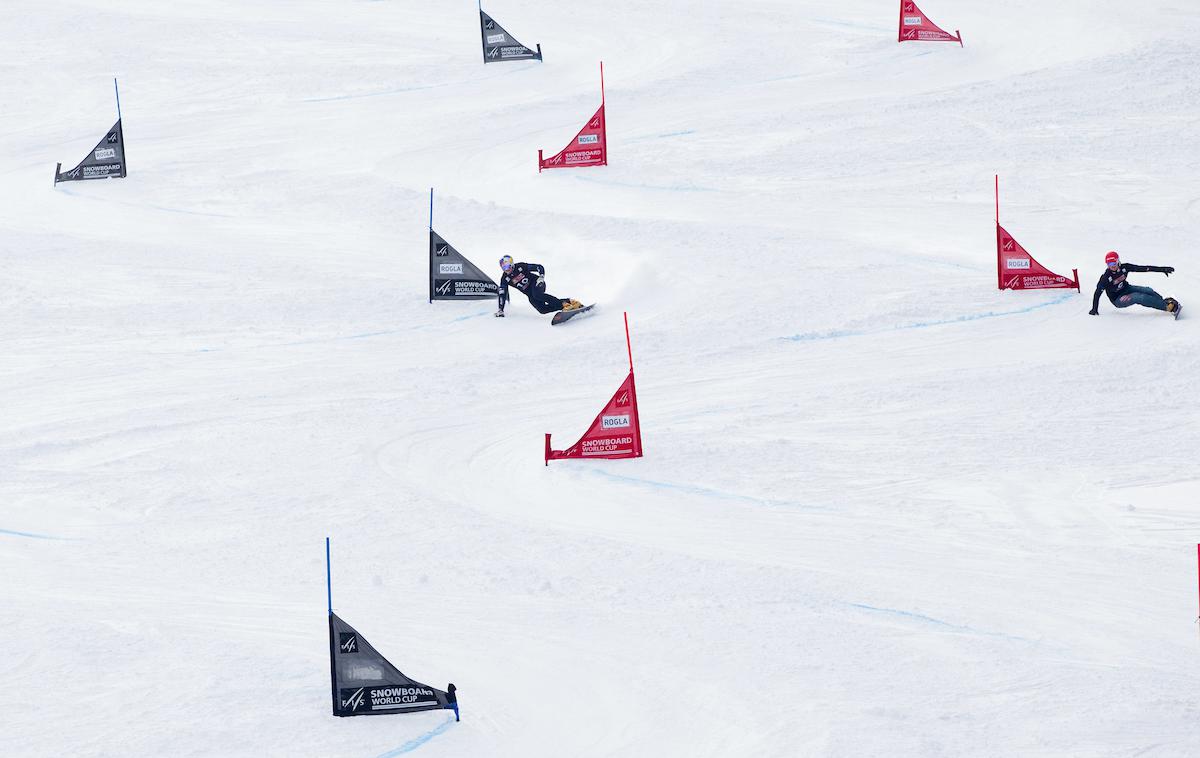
x=885 y=509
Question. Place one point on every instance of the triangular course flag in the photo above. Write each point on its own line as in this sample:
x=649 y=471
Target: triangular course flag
x=499 y=45
x=365 y=683
x=915 y=26
x=590 y=146
x=105 y=161
x=451 y=275
x=1016 y=269
x=616 y=432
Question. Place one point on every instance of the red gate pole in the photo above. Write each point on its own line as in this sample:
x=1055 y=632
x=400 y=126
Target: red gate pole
x=629 y=348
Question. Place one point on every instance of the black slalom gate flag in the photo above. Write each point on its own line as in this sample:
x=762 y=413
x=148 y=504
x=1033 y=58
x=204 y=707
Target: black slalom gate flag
x=107 y=160
x=452 y=276
x=499 y=45
x=365 y=683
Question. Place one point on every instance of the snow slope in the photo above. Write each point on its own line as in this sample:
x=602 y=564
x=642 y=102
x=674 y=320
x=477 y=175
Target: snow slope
x=885 y=509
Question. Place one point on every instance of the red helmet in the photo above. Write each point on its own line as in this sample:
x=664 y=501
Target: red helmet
x=1112 y=258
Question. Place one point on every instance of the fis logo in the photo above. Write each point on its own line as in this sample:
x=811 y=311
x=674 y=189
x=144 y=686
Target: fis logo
x=910 y=8
x=441 y=250
x=595 y=123
x=445 y=288
x=349 y=643
x=1008 y=245
x=623 y=398
x=112 y=138
x=489 y=25
x=355 y=701
x=493 y=52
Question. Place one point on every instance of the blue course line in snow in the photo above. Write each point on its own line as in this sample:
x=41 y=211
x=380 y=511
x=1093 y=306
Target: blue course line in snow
x=417 y=742
x=30 y=535
x=840 y=333
x=691 y=489
x=933 y=621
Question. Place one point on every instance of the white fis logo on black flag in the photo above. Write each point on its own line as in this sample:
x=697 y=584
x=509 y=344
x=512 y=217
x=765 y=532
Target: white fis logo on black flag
x=349 y=643
x=355 y=701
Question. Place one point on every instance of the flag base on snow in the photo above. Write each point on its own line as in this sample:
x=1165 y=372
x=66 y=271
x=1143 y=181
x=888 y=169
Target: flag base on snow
x=590 y=146
x=1016 y=269
x=915 y=26
x=364 y=683
x=451 y=275
x=499 y=45
x=615 y=433
x=107 y=159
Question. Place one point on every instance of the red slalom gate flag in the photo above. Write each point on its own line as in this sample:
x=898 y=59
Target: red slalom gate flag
x=590 y=146
x=1016 y=269
x=915 y=26
x=616 y=432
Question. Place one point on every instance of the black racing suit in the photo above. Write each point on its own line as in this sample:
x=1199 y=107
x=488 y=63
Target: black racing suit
x=529 y=278
x=1113 y=282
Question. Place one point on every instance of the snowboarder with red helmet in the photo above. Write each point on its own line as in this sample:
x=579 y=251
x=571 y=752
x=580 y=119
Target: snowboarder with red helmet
x=530 y=278
x=1123 y=294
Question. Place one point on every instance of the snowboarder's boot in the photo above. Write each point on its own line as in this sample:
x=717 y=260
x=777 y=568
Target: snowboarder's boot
x=571 y=304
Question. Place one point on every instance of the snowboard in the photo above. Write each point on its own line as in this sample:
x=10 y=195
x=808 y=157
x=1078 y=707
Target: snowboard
x=563 y=317
x=1178 y=310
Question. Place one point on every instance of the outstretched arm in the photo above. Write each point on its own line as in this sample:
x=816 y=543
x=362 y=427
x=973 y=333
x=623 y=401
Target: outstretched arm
x=1168 y=270
x=1095 y=311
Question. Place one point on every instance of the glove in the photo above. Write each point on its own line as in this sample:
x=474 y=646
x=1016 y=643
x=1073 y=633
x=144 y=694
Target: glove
x=1168 y=270
x=499 y=314
x=541 y=282
x=1093 y=312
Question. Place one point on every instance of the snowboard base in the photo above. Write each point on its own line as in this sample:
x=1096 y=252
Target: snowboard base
x=563 y=317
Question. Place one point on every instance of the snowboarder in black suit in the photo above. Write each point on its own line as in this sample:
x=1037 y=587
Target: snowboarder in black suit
x=1123 y=294
x=530 y=278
